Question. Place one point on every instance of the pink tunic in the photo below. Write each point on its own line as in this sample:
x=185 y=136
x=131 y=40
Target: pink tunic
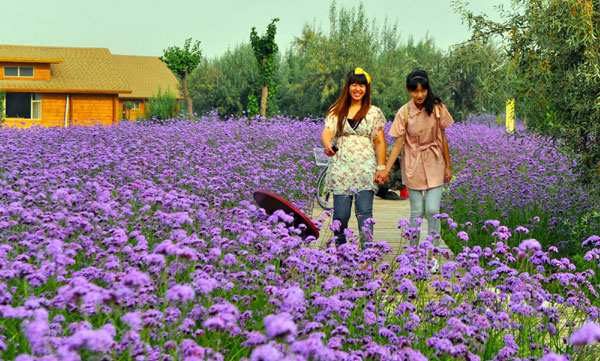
x=423 y=161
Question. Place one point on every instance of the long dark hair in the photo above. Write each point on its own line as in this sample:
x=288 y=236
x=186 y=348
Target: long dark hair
x=342 y=104
x=420 y=77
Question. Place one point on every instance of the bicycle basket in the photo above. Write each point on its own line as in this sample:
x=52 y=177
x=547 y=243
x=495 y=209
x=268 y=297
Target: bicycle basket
x=320 y=157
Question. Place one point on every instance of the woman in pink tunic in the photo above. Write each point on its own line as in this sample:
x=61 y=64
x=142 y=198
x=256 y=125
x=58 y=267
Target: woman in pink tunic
x=426 y=159
x=356 y=127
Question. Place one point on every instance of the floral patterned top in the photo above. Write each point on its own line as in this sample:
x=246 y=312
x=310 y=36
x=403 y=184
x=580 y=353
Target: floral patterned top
x=352 y=169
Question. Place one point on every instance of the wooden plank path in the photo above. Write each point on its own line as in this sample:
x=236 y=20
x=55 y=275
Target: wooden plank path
x=386 y=213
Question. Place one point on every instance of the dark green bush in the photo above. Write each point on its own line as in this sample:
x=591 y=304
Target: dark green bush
x=162 y=106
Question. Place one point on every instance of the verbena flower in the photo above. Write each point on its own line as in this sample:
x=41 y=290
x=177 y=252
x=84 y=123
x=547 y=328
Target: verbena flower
x=280 y=325
x=587 y=334
x=530 y=245
x=181 y=293
x=266 y=353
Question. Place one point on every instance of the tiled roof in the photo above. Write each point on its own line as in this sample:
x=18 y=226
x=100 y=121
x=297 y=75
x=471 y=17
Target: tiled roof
x=145 y=74
x=82 y=69
x=93 y=70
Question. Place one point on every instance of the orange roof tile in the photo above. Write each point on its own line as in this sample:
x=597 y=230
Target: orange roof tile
x=145 y=74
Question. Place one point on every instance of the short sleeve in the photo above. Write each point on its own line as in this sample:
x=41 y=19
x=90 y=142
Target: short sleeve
x=446 y=119
x=331 y=123
x=398 y=129
x=378 y=122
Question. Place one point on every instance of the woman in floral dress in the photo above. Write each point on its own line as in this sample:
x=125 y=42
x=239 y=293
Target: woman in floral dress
x=356 y=128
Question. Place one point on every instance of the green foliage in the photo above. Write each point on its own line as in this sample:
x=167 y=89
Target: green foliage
x=307 y=78
x=253 y=106
x=225 y=83
x=555 y=54
x=182 y=61
x=475 y=79
x=128 y=106
x=2 y=97
x=162 y=106
x=265 y=50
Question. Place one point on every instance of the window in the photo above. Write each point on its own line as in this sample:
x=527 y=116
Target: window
x=26 y=72
x=19 y=71
x=136 y=105
x=11 y=71
x=36 y=106
x=24 y=105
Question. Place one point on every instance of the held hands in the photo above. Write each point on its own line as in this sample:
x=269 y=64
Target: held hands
x=447 y=175
x=381 y=176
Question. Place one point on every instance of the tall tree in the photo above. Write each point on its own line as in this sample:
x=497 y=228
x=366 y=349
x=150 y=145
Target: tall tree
x=225 y=83
x=265 y=51
x=182 y=61
x=555 y=51
x=474 y=78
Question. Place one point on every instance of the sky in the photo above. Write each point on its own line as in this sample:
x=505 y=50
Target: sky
x=136 y=27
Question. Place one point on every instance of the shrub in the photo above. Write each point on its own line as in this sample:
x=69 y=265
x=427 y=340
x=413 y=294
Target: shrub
x=162 y=106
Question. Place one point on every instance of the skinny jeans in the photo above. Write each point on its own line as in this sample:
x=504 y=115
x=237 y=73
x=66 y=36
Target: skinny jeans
x=363 y=205
x=433 y=199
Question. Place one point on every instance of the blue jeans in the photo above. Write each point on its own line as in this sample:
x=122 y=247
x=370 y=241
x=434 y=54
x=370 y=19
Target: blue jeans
x=342 y=205
x=432 y=208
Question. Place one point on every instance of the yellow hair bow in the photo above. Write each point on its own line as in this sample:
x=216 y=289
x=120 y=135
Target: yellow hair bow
x=358 y=71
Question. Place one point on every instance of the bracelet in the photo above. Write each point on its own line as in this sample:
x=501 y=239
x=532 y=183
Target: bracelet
x=381 y=167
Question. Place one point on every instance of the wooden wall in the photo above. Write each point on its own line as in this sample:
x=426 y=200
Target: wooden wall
x=40 y=71
x=91 y=109
x=84 y=109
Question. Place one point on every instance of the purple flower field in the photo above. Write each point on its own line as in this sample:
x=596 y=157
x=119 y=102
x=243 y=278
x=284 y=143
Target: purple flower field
x=521 y=180
x=142 y=242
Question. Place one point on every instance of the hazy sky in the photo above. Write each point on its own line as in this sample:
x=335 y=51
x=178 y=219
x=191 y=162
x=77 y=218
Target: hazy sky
x=136 y=27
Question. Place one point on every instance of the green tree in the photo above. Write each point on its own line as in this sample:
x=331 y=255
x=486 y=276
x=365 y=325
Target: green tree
x=265 y=50
x=554 y=49
x=182 y=61
x=299 y=89
x=317 y=64
x=395 y=62
x=475 y=78
x=225 y=83
x=128 y=106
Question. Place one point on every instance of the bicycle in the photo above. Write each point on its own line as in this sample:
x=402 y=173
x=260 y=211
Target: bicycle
x=322 y=196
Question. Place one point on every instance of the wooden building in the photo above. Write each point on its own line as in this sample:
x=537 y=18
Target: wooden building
x=60 y=86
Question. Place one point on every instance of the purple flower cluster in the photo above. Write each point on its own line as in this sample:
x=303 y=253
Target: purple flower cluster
x=521 y=179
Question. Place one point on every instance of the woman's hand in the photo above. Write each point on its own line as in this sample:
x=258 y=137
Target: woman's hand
x=329 y=150
x=447 y=175
x=381 y=176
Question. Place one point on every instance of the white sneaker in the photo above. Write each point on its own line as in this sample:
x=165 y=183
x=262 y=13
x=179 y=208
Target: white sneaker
x=435 y=267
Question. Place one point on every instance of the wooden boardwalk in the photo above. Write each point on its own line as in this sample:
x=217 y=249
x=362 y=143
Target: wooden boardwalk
x=386 y=213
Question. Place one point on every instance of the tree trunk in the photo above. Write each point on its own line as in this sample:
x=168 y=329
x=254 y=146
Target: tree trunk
x=187 y=98
x=263 y=101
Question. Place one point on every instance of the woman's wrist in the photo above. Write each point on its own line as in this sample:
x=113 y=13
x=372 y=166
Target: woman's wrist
x=380 y=167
